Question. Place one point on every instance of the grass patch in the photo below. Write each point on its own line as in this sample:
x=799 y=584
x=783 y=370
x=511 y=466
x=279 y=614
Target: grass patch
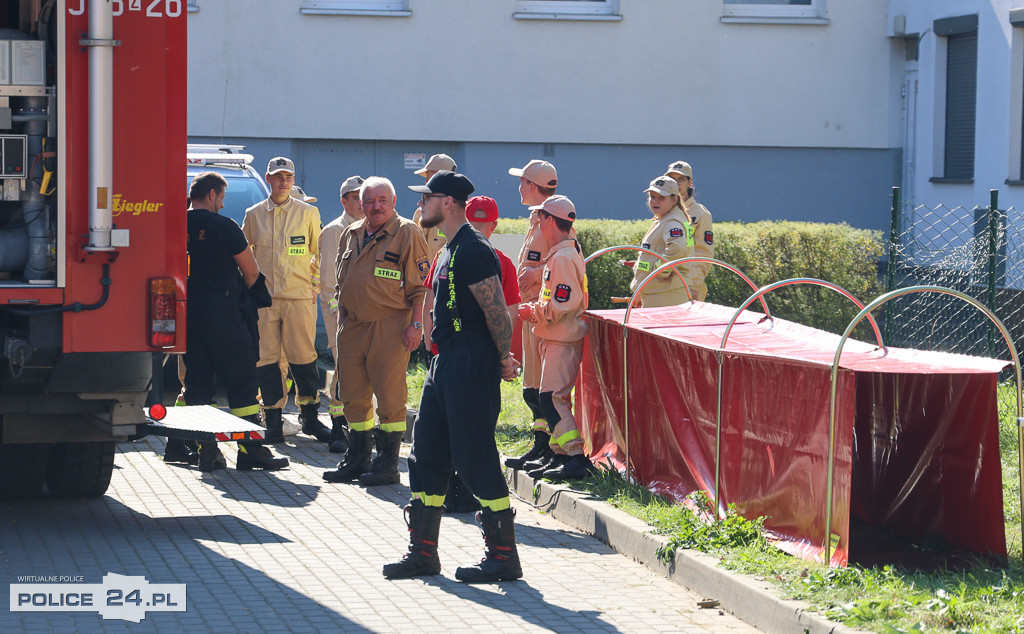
x=889 y=600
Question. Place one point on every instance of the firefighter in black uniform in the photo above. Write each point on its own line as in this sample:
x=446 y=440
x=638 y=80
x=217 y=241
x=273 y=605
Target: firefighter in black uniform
x=221 y=320
x=461 y=395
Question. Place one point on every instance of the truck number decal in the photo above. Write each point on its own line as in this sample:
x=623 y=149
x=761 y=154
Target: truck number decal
x=155 y=8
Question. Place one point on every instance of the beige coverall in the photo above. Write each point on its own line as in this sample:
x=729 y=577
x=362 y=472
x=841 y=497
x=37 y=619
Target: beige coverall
x=330 y=237
x=671 y=236
x=703 y=247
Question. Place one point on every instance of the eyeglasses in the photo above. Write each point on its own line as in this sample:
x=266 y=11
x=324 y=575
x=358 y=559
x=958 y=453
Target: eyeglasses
x=424 y=197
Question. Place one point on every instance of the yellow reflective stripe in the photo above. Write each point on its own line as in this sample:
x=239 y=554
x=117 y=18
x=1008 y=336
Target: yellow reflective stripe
x=540 y=425
x=567 y=436
x=306 y=400
x=389 y=427
x=336 y=410
x=241 y=448
x=496 y=505
x=332 y=304
x=689 y=235
x=364 y=426
x=435 y=501
x=244 y=411
x=180 y=401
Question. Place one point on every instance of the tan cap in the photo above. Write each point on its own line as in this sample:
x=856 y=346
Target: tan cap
x=682 y=168
x=280 y=164
x=537 y=172
x=664 y=185
x=301 y=195
x=559 y=207
x=351 y=184
x=436 y=163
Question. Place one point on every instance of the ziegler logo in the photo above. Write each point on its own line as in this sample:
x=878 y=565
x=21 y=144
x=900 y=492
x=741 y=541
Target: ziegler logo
x=134 y=208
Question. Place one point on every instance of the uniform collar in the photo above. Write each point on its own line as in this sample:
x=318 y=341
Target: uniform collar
x=285 y=206
x=387 y=228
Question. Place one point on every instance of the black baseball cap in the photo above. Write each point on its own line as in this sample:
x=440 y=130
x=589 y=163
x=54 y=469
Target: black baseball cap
x=448 y=183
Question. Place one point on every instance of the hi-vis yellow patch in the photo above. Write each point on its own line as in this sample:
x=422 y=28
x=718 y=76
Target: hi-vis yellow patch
x=297 y=245
x=546 y=294
x=390 y=274
x=643 y=266
x=299 y=250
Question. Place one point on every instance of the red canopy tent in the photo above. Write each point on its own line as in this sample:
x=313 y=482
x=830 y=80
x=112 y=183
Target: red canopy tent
x=917 y=450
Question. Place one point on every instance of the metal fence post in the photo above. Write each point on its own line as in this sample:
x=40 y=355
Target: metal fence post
x=890 y=270
x=993 y=253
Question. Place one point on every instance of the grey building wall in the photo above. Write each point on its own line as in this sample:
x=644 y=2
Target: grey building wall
x=607 y=181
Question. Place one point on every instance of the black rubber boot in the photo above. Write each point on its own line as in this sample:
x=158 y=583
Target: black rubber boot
x=275 y=427
x=338 y=442
x=384 y=469
x=459 y=499
x=557 y=460
x=310 y=421
x=210 y=457
x=540 y=443
x=545 y=457
x=574 y=468
x=181 y=451
x=421 y=560
x=253 y=455
x=501 y=560
x=356 y=461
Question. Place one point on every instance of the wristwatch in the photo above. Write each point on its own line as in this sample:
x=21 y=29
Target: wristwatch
x=418 y=325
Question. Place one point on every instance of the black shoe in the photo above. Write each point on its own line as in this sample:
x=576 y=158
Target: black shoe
x=253 y=455
x=310 y=421
x=545 y=457
x=338 y=442
x=557 y=460
x=384 y=468
x=421 y=559
x=575 y=468
x=501 y=560
x=210 y=458
x=181 y=451
x=275 y=427
x=356 y=461
x=540 y=442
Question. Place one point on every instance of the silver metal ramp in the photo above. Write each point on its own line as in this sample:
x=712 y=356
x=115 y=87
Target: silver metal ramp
x=202 y=422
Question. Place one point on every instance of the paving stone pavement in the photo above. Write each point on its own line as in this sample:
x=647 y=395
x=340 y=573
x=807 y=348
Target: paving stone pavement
x=285 y=551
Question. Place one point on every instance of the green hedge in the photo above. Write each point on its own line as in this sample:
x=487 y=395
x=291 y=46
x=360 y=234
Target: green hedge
x=766 y=252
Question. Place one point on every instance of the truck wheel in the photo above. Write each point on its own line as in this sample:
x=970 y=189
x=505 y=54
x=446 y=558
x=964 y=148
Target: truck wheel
x=80 y=469
x=22 y=470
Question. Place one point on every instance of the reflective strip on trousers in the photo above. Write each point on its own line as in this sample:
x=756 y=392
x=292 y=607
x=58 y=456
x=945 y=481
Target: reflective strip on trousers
x=435 y=501
x=496 y=505
x=364 y=426
x=242 y=412
x=391 y=427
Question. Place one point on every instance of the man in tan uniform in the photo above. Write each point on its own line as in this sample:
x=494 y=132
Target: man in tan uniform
x=700 y=220
x=382 y=262
x=670 y=235
x=537 y=181
x=283 y=231
x=560 y=329
x=435 y=239
x=330 y=237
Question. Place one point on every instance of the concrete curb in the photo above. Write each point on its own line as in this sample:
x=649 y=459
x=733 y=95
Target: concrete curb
x=755 y=602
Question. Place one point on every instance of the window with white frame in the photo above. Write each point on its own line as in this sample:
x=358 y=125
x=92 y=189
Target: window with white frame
x=960 y=99
x=567 y=8
x=356 y=7
x=774 y=9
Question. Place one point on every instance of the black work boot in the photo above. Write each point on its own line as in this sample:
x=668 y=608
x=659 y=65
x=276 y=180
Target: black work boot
x=556 y=461
x=253 y=455
x=356 y=461
x=310 y=421
x=210 y=457
x=275 y=427
x=540 y=443
x=384 y=469
x=338 y=442
x=574 y=468
x=501 y=560
x=181 y=451
x=459 y=498
x=546 y=454
x=421 y=560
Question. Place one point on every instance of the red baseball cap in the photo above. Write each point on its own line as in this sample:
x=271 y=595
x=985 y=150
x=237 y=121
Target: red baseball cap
x=481 y=209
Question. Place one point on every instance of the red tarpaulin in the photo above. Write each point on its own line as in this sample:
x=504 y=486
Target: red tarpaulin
x=916 y=445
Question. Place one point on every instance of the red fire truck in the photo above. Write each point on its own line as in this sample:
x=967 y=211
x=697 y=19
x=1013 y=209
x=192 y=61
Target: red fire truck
x=92 y=231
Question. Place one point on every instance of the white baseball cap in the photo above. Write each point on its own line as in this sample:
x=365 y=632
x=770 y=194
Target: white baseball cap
x=664 y=186
x=351 y=184
x=559 y=207
x=436 y=163
x=682 y=168
x=301 y=195
x=537 y=172
x=280 y=164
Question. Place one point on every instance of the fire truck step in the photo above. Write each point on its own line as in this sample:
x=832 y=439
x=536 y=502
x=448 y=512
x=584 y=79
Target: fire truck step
x=202 y=422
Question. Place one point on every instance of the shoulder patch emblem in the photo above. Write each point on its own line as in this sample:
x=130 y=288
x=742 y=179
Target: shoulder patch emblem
x=675 y=232
x=533 y=256
x=709 y=237
x=422 y=264
x=693 y=220
x=562 y=293
x=391 y=257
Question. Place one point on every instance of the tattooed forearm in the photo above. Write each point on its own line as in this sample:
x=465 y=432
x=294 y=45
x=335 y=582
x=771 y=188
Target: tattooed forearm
x=492 y=301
